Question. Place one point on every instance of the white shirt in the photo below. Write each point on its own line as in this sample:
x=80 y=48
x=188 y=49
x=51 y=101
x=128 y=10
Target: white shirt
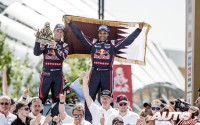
x=97 y=111
x=68 y=120
x=3 y=119
x=162 y=122
x=129 y=119
x=41 y=120
x=7 y=120
x=82 y=123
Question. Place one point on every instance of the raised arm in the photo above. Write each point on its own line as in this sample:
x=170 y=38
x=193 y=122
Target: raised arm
x=61 y=107
x=88 y=99
x=79 y=34
x=128 y=40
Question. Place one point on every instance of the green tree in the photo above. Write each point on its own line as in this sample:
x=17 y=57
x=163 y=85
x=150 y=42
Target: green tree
x=21 y=77
x=19 y=71
x=5 y=58
x=75 y=66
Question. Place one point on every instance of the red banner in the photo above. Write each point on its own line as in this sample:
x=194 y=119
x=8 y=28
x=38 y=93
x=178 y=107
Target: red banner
x=122 y=82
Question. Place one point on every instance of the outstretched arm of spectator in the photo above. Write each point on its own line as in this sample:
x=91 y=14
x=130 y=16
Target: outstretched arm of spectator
x=84 y=76
x=62 y=106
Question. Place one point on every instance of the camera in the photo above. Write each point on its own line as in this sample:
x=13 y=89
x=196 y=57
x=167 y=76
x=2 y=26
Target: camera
x=181 y=105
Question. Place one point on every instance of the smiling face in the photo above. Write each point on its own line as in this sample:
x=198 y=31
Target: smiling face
x=36 y=106
x=58 y=34
x=24 y=111
x=4 y=105
x=105 y=101
x=103 y=35
x=155 y=106
x=78 y=116
x=123 y=106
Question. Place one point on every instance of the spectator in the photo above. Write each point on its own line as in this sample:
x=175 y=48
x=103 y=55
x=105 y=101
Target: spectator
x=99 y=113
x=199 y=92
x=172 y=104
x=147 y=109
x=128 y=117
x=37 y=120
x=158 y=106
x=78 y=113
x=192 y=119
x=117 y=121
x=23 y=118
x=12 y=106
x=5 y=115
x=197 y=102
x=25 y=96
x=36 y=107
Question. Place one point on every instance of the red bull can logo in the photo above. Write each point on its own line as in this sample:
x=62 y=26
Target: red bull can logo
x=102 y=51
x=102 y=54
x=51 y=52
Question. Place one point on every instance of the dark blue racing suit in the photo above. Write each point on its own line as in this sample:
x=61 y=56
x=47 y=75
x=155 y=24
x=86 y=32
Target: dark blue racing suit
x=52 y=75
x=102 y=55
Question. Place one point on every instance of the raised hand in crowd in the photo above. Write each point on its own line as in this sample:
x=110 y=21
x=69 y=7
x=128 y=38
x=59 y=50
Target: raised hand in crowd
x=37 y=119
x=84 y=75
x=25 y=96
x=56 y=120
x=102 y=120
x=47 y=119
x=145 y=121
x=141 y=121
x=61 y=106
x=26 y=93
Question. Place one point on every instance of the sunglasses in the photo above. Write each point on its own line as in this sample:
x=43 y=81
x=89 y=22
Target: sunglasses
x=155 y=108
x=4 y=103
x=78 y=116
x=26 y=109
x=123 y=104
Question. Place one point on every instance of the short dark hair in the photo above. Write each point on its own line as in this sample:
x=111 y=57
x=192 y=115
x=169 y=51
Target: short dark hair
x=12 y=102
x=20 y=105
x=116 y=120
x=145 y=104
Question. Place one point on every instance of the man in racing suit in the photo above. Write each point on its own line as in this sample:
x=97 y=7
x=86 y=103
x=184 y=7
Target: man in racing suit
x=52 y=75
x=102 y=52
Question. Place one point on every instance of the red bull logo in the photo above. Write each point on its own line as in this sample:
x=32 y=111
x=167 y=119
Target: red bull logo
x=51 y=52
x=102 y=54
x=102 y=51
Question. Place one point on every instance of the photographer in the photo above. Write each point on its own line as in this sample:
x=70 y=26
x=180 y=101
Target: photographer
x=157 y=106
x=181 y=105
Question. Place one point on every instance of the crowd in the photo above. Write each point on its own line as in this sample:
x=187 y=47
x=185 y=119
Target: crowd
x=28 y=111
